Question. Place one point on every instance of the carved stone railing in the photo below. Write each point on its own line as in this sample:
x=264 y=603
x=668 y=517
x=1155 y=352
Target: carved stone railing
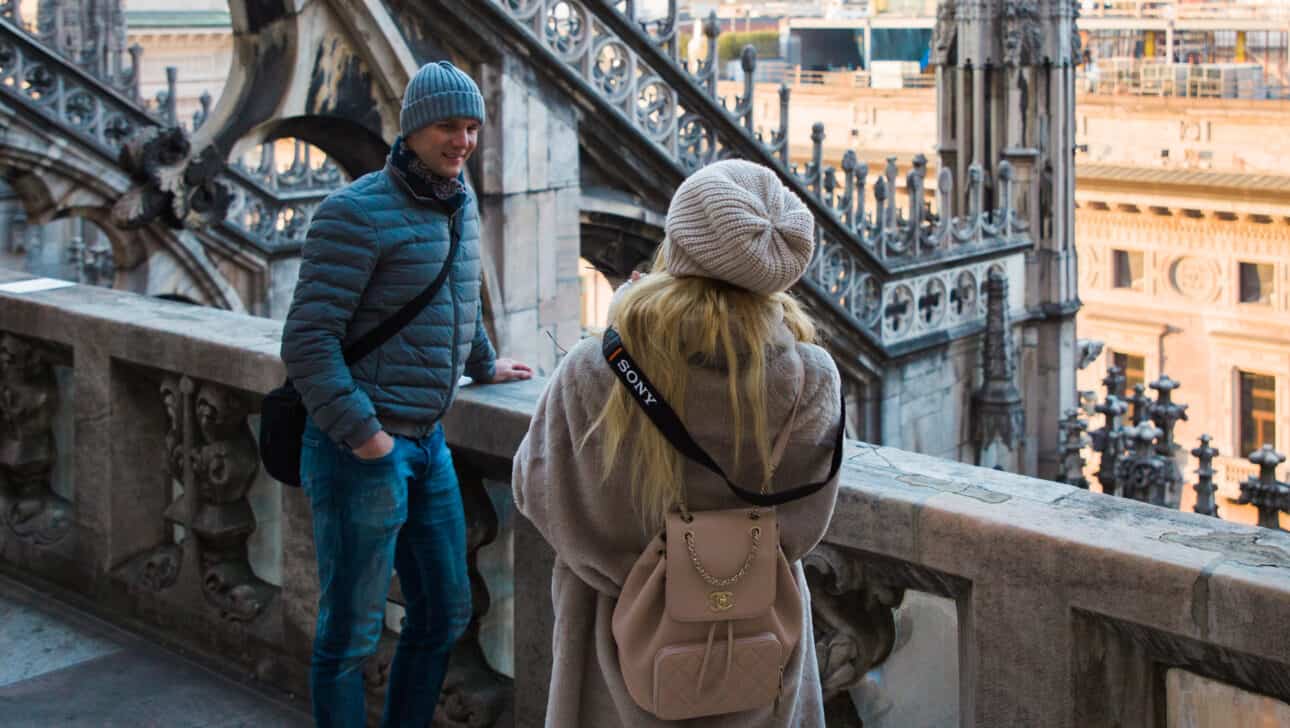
x=130 y=478
x=872 y=244
x=95 y=112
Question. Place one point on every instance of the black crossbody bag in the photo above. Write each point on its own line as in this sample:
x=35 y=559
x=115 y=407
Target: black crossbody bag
x=282 y=411
x=668 y=423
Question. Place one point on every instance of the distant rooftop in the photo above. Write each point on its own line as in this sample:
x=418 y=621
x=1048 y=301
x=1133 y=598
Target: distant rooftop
x=178 y=19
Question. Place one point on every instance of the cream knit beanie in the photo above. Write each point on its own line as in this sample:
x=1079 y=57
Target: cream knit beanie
x=735 y=221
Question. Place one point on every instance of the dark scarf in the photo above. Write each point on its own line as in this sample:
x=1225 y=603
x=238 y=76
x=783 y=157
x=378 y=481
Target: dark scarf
x=424 y=182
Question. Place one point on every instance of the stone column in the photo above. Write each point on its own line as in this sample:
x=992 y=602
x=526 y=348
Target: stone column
x=529 y=189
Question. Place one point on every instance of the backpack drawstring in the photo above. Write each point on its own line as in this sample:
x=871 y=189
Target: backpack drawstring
x=707 y=652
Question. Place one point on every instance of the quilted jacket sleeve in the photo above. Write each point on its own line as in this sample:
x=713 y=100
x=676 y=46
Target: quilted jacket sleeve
x=338 y=257
x=479 y=366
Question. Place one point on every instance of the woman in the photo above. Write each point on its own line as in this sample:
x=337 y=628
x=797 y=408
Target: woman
x=729 y=350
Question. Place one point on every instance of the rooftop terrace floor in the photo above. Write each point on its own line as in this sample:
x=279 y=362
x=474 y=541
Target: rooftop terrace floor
x=62 y=667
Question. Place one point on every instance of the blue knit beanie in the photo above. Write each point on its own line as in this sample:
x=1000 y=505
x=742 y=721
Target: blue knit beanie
x=439 y=91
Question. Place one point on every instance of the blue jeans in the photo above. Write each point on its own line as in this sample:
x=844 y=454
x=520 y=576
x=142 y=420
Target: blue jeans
x=402 y=511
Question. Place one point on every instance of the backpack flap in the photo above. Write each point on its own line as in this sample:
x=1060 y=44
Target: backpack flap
x=721 y=565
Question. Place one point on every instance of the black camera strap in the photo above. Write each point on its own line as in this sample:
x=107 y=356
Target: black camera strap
x=668 y=423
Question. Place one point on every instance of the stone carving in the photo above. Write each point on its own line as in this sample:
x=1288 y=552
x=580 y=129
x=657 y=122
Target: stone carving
x=212 y=455
x=28 y=401
x=944 y=34
x=1023 y=35
x=154 y=570
x=1088 y=351
x=1199 y=279
x=172 y=183
x=998 y=413
x=851 y=232
x=1265 y=492
x=1205 y=487
x=1073 y=442
x=1166 y=413
x=855 y=626
x=1143 y=474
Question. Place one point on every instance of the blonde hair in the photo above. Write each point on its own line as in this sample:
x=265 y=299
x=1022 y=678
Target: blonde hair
x=667 y=323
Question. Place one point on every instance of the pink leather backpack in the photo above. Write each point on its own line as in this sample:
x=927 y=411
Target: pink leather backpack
x=710 y=614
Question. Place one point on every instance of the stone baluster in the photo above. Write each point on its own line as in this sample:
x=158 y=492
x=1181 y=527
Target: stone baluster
x=880 y=217
x=814 y=171
x=941 y=236
x=136 y=69
x=1070 y=449
x=1265 y=492
x=1141 y=404
x=892 y=215
x=707 y=74
x=976 y=202
x=849 y=194
x=830 y=187
x=1007 y=178
x=1205 y=487
x=748 y=63
x=914 y=187
x=780 y=138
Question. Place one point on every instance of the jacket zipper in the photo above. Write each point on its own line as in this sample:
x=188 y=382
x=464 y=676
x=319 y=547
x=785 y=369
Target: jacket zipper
x=456 y=321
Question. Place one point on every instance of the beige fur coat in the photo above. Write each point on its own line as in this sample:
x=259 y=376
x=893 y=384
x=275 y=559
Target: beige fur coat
x=597 y=536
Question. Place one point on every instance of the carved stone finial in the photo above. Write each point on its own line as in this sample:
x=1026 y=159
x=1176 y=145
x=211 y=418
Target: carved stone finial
x=1205 y=487
x=998 y=414
x=1265 y=492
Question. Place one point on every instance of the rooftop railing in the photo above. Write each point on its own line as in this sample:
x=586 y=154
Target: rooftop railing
x=131 y=480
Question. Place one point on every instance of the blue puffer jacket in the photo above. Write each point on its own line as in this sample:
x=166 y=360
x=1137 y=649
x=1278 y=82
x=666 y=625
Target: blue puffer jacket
x=372 y=247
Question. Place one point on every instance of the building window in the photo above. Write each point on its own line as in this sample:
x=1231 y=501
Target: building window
x=1134 y=368
x=1256 y=283
x=1127 y=271
x=1258 y=412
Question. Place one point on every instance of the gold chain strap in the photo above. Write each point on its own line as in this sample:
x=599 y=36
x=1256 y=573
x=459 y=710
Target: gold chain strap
x=729 y=581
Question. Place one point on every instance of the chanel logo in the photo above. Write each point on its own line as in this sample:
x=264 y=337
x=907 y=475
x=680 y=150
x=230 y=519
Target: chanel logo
x=721 y=601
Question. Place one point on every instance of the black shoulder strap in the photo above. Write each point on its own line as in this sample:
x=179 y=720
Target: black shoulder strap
x=369 y=342
x=666 y=420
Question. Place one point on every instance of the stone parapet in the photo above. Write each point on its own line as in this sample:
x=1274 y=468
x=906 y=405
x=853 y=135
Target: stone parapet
x=1052 y=605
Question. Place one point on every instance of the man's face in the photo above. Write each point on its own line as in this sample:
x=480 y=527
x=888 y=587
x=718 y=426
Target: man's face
x=444 y=146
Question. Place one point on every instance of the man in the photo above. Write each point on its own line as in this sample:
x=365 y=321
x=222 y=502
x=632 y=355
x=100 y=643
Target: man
x=374 y=464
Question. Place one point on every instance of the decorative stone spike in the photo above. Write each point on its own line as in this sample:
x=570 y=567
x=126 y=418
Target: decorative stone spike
x=1166 y=413
x=1109 y=441
x=1141 y=404
x=1114 y=381
x=1265 y=492
x=1205 y=487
